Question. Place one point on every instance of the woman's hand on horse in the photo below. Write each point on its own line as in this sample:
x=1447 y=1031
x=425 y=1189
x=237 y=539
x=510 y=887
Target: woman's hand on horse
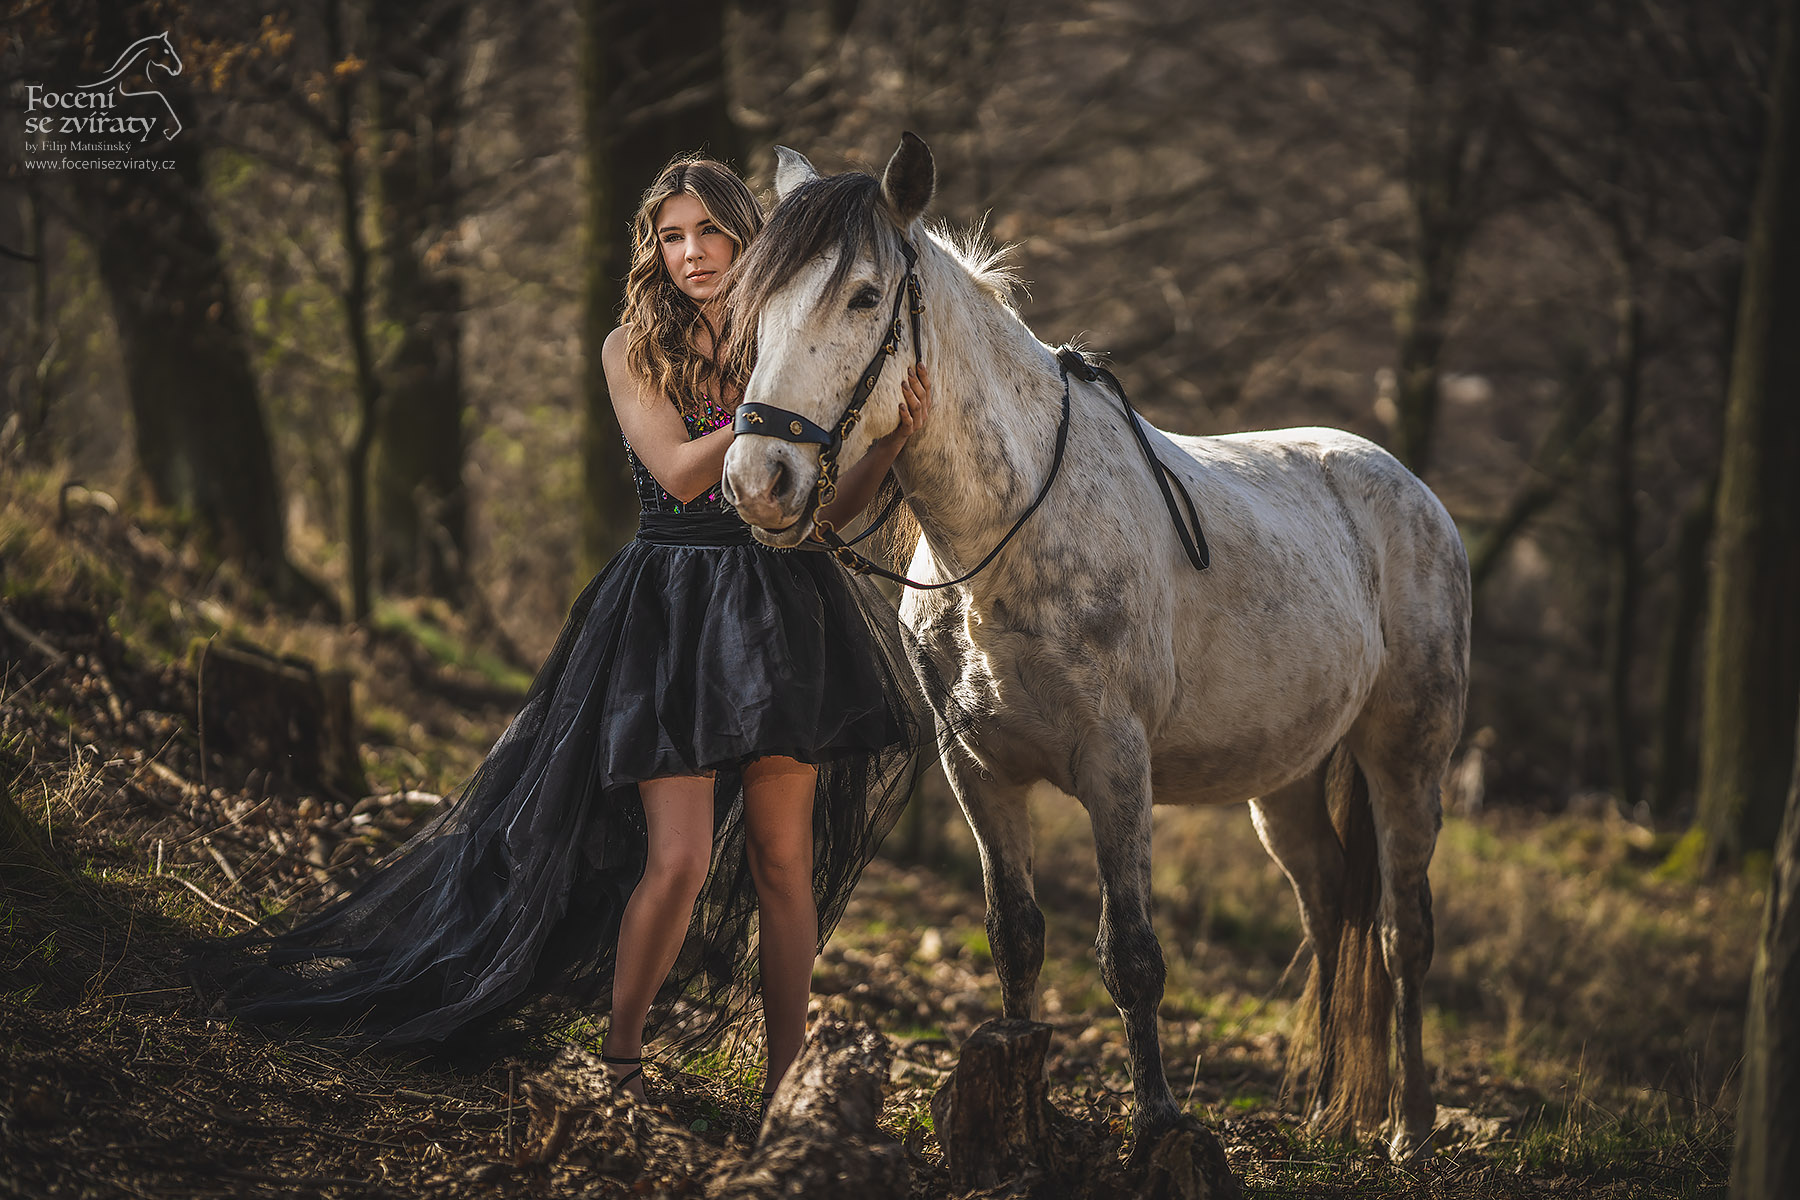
x=857 y=485
x=915 y=404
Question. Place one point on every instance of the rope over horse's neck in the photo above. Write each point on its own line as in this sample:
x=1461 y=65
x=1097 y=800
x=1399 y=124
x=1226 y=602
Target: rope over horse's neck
x=858 y=563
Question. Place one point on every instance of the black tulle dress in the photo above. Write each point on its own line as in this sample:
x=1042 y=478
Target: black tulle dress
x=695 y=649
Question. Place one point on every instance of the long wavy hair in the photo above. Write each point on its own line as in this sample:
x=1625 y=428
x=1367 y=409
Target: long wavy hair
x=662 y=345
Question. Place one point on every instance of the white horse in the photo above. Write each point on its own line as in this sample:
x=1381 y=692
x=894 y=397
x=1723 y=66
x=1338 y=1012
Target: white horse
x=1317 y=669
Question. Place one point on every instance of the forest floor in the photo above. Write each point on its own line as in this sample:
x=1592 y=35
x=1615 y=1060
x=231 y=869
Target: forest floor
x=1584 y=1009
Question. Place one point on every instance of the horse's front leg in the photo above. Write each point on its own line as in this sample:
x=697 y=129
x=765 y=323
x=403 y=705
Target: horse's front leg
x=1001 y=820
x=1113 y=782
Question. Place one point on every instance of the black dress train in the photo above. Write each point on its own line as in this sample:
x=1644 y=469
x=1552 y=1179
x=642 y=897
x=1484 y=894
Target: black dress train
x=694 y=649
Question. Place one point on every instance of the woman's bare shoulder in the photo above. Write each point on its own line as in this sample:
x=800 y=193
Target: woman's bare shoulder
x=613 y=359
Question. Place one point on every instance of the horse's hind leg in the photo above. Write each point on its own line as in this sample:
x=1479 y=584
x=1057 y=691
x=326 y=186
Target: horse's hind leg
x=1112 y=779
x=1404 y=771
x=1000 y=818
x=1295 y=827
x=1294 y=823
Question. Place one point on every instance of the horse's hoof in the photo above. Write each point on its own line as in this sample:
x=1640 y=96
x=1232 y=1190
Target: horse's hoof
x=1150 y=1126
x=1410 y=1144
x=1183 y=1159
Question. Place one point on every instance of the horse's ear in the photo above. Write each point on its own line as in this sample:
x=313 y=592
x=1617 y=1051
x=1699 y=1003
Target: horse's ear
x=791 y=170
x=909 y=180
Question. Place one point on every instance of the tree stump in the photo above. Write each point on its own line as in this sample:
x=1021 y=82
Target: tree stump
x=993 y=1116
x=1002 y=1136
x=820 y=1136
x=282 y=715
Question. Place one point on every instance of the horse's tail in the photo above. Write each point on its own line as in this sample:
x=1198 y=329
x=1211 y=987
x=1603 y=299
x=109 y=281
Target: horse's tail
x=1347 y=1012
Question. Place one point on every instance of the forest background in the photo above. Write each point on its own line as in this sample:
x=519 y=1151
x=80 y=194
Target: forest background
x=326 y=386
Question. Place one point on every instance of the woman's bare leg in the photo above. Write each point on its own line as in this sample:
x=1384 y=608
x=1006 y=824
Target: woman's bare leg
x=678 y=816
x=778 y=819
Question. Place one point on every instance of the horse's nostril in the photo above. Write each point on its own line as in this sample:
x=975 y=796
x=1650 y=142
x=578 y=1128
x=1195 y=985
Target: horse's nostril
x=783 y=481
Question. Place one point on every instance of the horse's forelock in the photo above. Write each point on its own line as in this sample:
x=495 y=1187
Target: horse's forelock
x=842 y=215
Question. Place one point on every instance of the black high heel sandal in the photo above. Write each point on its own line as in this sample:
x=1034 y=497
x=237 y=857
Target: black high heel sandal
x=636 y=1072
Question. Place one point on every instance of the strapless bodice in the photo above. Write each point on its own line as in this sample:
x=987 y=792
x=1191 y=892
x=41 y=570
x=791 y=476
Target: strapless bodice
x=651 y=495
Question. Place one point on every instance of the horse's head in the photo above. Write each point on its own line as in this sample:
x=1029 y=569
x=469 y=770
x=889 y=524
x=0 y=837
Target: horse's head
x=816 y=290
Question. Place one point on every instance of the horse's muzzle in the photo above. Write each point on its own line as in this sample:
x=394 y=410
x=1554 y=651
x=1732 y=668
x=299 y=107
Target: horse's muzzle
x=771 y=483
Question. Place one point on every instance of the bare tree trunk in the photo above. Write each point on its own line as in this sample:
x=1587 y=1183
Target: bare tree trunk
x=1622 y=606
x=1767 y=1165
x=45 y=380
x=653 y=85
x=356 y=316
x=420 y=528
x=201 y=443
x=782 y=57
x=921 y=834
x=606 y=520
x=820 y=1136
x=1449 y=152
x=33 y=381
x=1002 y=1136
x=1674 y=701
x=197 y=421
x=1752 y=685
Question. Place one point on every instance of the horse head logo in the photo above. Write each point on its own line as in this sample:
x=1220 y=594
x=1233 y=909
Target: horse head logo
x=156 y=51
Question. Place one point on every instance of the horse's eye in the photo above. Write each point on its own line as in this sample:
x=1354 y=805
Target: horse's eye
x=866 y=297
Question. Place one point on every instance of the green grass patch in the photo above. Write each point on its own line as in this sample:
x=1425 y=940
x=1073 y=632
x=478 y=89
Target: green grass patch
x=438 y=642
x=919 y=1033
x=1686 y=860
x=1689 y=1157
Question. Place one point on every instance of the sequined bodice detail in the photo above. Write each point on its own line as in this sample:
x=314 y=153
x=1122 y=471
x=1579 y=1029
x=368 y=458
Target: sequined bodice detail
x=650 y=493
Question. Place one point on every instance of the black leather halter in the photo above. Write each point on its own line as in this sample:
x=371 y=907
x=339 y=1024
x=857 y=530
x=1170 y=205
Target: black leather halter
x=771 y=421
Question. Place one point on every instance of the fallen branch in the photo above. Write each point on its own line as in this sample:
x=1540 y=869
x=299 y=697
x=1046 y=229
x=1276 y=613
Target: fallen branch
x=224 y=866
x=224 y=908
x=31 y=639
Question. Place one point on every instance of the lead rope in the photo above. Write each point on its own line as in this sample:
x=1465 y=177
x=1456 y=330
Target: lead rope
x=1199 y=555
x=1068 y=359
x=841 y=550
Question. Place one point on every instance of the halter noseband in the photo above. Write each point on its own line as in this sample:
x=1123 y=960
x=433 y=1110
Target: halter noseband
x=770 y=421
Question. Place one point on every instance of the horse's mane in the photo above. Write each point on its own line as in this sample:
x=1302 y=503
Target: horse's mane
x=845 y=215
x=839 y=213
x=991 y=265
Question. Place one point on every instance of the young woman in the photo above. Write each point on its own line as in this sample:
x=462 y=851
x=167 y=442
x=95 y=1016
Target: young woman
x=720 y=728
x=674 y=403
